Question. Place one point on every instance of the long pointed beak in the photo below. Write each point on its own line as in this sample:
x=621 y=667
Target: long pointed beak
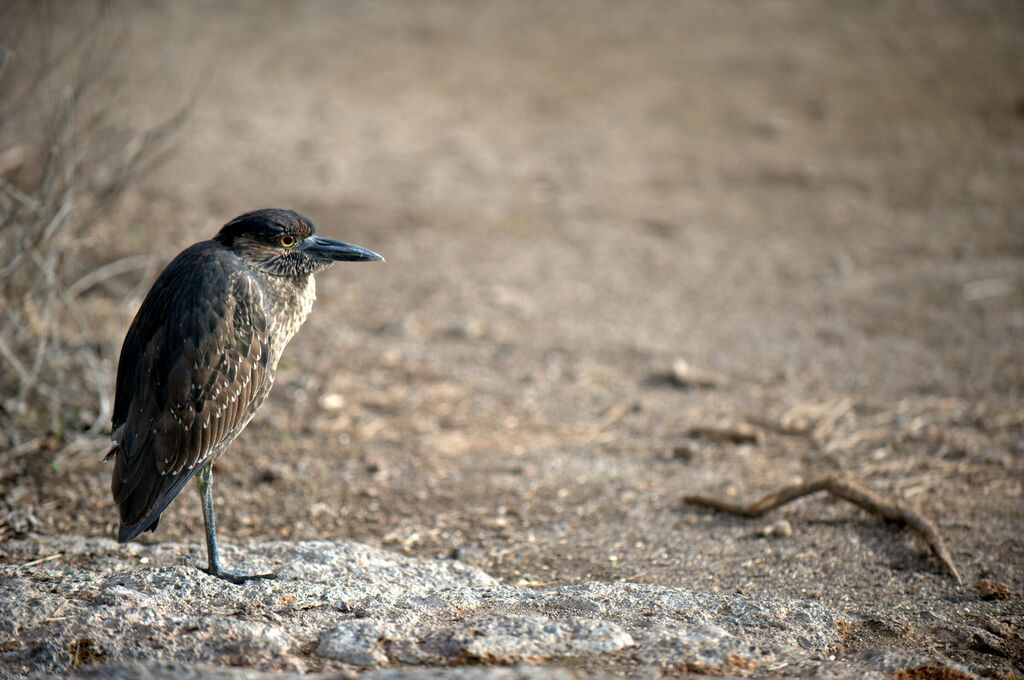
x=338 y=251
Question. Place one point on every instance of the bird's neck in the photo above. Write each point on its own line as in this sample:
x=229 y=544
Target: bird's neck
x=290 y=301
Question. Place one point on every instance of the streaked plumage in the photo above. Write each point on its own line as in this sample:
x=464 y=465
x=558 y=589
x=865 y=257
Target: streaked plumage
x=201 y=354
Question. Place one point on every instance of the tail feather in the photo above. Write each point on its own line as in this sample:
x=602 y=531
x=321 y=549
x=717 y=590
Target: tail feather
x=127 y=533
x=142 y=506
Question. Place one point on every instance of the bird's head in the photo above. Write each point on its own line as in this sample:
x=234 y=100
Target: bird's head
x=284 y=243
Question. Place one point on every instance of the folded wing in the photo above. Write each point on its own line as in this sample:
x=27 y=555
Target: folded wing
x=193 y=370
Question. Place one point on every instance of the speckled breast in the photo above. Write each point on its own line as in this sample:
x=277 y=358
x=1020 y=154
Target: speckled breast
x=291 y=302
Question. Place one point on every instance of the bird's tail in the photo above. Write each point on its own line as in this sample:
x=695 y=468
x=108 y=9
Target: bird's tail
x=134 y=484
x=141 y=491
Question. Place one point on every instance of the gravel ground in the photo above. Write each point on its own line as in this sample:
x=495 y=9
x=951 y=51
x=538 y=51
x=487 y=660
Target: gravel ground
x=819 y=206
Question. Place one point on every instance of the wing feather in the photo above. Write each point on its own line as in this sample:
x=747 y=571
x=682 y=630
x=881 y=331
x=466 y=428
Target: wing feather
x=190 y=377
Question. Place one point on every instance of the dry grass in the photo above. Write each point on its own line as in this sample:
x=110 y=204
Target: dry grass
x=65 y=159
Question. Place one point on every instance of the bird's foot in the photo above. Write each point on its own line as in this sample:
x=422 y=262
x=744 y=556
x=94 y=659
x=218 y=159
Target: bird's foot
x=236 y=577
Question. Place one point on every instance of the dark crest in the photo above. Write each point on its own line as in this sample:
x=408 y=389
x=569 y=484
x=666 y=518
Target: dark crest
x=265 y=225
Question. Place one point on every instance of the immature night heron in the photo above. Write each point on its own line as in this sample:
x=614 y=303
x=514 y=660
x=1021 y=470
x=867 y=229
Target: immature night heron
x=200 y=358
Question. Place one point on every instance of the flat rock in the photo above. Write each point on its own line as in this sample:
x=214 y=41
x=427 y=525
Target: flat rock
x=104 y=610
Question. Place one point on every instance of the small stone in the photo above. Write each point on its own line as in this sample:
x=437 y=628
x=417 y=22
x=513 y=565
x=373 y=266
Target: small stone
x=685 y=452
x=993 y=590
x=778 y=529
x=684 y=375
x=332 y=402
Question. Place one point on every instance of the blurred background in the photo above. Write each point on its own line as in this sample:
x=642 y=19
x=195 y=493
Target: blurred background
x=610 y=229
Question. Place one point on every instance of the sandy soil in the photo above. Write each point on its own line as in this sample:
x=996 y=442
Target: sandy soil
x=820 y=203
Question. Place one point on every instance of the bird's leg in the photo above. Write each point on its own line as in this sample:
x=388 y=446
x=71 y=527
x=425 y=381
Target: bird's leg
x=204 y=480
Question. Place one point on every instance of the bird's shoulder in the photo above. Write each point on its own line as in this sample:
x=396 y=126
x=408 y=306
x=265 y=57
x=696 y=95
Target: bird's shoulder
x=196 y=294
x=197 y=345
x=196 y=276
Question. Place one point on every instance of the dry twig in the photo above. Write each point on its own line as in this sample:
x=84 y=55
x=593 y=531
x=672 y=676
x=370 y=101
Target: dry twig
x=847 y=489
x=59 y=174
x=48 y=558
x=739 y=433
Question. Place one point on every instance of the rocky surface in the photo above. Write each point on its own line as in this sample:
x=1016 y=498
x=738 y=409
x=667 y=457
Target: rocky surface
x=635 y=251
x=89 y=605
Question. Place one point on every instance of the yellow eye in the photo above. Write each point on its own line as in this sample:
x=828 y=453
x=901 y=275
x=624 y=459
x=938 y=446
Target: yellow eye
x=286 y=240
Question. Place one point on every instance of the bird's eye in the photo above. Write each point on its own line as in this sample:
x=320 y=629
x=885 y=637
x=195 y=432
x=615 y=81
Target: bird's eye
x=286 y=240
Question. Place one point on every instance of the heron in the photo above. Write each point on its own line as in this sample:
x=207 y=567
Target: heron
x=200 y=357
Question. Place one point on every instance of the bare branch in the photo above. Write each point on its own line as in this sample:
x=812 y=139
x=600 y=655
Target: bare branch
x=848 y=490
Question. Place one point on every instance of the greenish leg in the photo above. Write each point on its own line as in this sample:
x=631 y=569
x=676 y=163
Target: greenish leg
x=204 y=481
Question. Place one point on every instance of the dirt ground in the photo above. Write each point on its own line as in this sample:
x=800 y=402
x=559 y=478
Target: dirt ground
x=822 y=204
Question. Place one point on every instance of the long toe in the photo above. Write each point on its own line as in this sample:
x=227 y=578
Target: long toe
x=237 y=577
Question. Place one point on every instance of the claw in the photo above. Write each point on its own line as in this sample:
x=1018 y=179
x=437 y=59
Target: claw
x=235 y=577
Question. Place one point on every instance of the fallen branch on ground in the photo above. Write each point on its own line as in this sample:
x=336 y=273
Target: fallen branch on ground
x=844 y=488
